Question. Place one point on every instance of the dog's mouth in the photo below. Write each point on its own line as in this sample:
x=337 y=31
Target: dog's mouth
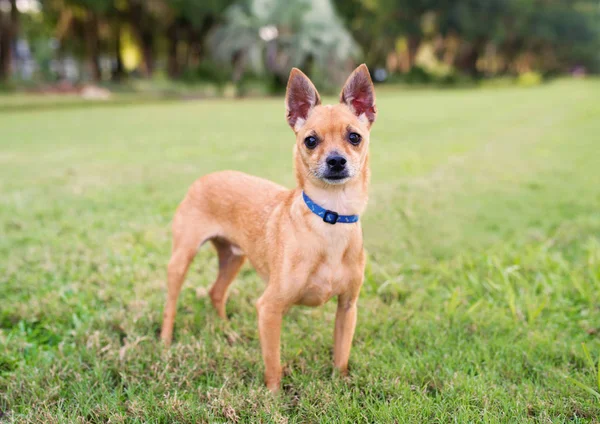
x=337 y=178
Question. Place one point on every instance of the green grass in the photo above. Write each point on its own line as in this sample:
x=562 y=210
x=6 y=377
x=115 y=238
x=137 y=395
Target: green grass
x=482 y=292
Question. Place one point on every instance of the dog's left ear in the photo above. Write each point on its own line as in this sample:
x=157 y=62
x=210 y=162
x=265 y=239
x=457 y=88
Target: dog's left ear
x=359 y=94
x=301 y=97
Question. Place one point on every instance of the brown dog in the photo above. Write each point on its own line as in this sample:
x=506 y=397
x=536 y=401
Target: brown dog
x=288 y=235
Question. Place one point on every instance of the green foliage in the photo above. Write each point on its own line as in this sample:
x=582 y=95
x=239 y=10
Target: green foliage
x=418 y=75
x=7 y=87
x=208 y=71
x=483 y=281
x=561 y=33
x=197 y=12
x=301 y=33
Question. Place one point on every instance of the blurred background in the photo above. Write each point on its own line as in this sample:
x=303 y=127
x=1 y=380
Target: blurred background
x=247 y=47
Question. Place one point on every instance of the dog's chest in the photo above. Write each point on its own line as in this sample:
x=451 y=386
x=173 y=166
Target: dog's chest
x=329 y=276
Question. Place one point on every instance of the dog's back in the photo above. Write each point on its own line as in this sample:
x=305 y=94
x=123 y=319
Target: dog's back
x=243 y=199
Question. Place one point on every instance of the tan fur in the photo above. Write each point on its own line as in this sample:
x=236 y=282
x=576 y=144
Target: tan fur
x=304 y=260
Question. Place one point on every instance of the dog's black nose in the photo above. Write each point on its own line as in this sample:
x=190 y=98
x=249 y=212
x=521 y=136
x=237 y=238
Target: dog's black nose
x=336 y=163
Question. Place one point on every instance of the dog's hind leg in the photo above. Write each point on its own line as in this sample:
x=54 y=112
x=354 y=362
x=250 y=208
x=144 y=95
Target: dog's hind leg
x=187 y=238
x=230 y=262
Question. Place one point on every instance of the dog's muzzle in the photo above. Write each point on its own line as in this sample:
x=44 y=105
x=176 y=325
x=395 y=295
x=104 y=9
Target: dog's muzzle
x=336 y=169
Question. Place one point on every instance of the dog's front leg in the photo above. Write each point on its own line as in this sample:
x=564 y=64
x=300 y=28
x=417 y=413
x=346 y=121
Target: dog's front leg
x=270 y=315
x=345 y=322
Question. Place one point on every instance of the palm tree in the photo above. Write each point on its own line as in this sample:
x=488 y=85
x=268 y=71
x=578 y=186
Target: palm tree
x=271 y=36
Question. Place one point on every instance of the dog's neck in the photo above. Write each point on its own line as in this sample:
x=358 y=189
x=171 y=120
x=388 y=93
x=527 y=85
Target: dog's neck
x=345 y=199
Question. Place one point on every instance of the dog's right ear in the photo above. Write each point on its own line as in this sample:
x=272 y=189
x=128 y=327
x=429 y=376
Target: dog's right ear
x=300 y=98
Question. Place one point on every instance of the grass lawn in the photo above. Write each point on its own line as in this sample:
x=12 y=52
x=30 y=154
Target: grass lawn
x=482 y=294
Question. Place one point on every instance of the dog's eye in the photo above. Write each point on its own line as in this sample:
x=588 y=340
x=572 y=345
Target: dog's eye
x=354 y=138
x=311 y=141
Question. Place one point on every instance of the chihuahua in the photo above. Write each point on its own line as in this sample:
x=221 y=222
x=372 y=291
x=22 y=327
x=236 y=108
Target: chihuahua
x=306 y=243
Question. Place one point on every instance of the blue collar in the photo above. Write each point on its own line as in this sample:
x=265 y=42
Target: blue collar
x=328 y=216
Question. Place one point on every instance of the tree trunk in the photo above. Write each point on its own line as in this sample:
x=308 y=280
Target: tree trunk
x=238 y=63
x=145 y=35
x=119 y=72
x=413 y=48
x=91 y=36
x=511 y=50
x=196 y=41
x=8 y=32
x=468 y=62
x=148 y=53
x=193 y=50
x=173 y=60
x=207 y=24
x=5 y=50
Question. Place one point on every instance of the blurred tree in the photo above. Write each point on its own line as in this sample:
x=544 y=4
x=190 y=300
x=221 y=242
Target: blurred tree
x=564 y=34
x=478 y=22
x=94 y=11
x=362 y=17
x=147 y=19
x=552 y=31
x=117 y=18
x=190 y=23
x=273 y=35
x=9 y=23
x=77 y=28
x=379 y=24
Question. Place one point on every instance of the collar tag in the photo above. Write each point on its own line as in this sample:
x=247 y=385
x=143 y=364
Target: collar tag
x=330 y=217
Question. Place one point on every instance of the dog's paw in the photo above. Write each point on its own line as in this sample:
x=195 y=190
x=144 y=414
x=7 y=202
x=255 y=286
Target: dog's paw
x=342 y=373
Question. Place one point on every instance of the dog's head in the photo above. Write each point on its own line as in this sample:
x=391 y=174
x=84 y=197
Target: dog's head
x=332 y=141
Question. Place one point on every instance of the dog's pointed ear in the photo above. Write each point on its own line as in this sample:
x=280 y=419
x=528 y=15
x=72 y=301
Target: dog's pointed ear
x=300 y=98
x=359 y=94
